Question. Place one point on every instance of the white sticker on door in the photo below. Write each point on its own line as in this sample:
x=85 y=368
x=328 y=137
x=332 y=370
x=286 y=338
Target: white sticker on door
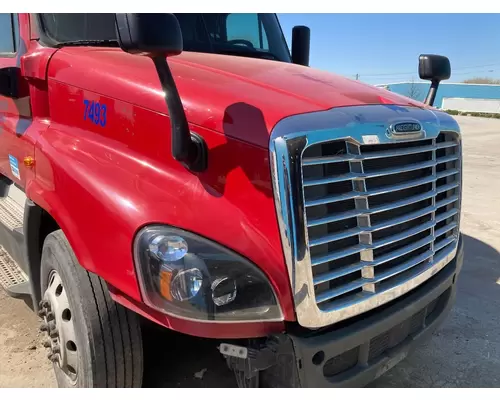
x=14 y=166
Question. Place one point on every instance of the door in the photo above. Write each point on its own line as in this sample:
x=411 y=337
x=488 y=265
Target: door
x=15 y=113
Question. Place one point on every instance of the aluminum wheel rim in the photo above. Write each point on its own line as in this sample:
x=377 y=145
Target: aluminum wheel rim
x=58 y=323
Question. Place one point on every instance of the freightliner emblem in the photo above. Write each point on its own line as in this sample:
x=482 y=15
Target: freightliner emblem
x=406 y=130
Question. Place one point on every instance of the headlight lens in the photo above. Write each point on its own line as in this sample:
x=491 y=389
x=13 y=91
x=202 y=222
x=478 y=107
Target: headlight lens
x=168 y=248
x=189 y=276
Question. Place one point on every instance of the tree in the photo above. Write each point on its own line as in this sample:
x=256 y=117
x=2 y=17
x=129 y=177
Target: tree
x=487 y=81
x=413 y=91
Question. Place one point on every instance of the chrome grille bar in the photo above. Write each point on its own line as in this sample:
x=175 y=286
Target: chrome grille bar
x=363 y=281
x=383 y=172
x=380 y=154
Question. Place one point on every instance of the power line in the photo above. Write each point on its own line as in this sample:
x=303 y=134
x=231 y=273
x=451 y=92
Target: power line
x=478 y=66
x=473 y=72
x=412 y=72
x=463 y=73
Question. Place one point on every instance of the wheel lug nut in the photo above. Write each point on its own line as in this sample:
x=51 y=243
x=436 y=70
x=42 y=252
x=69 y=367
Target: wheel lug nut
x=53 y=358
x=50 y=316
x=56 y=349
x=53 y=333
x=41 y=313
x=44 y=327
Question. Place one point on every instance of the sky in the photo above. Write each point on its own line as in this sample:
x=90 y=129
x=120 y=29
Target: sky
x=384 y=48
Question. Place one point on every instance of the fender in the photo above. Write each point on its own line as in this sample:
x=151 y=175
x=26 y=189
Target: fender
x=101 y=193
x=103 y=184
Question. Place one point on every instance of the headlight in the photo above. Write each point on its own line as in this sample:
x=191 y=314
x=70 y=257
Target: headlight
x=186 y=275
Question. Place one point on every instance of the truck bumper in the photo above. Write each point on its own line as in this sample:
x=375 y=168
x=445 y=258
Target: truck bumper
x=356 y=353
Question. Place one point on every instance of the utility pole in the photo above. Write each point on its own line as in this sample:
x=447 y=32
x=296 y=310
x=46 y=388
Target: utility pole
x=357 y=77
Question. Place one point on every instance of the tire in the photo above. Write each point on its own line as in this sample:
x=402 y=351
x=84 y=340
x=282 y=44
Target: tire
x=107 y=340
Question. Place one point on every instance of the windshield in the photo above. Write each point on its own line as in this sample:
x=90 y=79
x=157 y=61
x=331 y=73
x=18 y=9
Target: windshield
x=249 y=35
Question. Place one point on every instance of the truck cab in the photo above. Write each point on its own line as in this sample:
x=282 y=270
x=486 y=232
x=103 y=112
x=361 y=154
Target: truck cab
x=191 y=170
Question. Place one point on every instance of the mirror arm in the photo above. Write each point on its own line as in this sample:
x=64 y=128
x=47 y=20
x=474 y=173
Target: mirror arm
x=431 y=95
x=187 y=147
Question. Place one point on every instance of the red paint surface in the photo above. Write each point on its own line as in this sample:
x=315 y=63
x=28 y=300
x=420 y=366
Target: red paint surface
x=214 y=88
x=102 y=184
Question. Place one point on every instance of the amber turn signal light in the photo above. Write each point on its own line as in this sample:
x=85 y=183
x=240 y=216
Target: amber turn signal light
x=29 y=161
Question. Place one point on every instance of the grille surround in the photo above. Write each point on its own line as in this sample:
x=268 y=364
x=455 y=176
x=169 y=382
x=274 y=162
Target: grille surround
x=358 y=126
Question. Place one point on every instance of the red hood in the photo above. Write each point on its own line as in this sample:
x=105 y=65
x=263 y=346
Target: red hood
x=240 y=97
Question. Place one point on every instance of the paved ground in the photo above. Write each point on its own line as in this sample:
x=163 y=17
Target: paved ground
x=464 y=352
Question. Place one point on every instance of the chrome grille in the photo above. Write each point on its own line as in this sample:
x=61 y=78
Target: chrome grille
x=378 y=215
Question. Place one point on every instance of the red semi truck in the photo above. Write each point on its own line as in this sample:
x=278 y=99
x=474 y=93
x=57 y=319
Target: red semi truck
x=190 y=169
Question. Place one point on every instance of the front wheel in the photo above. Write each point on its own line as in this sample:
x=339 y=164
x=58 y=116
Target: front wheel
x=92 y=341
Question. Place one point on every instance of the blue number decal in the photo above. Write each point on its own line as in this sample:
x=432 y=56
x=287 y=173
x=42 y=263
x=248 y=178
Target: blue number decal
x=91 y=111
x=103 y=115
x=86 y=102
x=95 y=112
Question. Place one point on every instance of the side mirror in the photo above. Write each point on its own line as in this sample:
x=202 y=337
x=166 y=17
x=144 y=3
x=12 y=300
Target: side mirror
x=433 y=68
x=301 y=42
x=149 y=34
x=159 y=36
x=10 y=82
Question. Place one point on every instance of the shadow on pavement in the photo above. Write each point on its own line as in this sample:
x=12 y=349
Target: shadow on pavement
x=482 y=260
x=172 y=360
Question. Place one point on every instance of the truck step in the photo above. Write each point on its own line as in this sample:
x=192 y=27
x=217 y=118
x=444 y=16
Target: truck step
x=11 y=213
x=12 y=278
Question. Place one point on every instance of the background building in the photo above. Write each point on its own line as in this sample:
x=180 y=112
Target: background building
x=453 y=96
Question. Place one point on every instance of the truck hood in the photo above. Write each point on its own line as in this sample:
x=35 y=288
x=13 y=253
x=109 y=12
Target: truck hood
x=240 y=97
